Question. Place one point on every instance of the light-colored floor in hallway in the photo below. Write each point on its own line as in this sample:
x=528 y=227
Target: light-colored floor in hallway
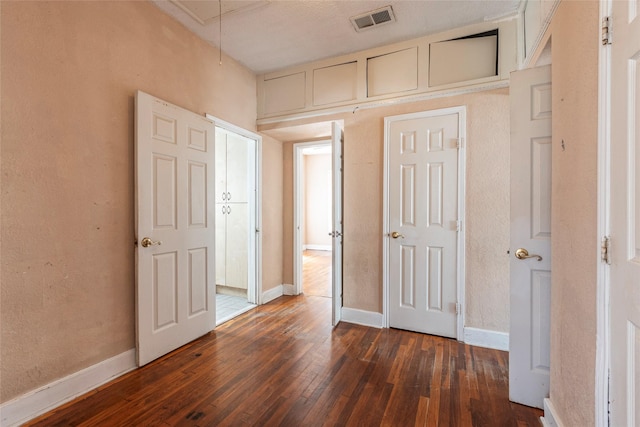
x=228 y=307
x=316 y=273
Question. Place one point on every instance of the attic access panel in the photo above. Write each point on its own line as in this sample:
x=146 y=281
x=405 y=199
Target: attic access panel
x=463 y=59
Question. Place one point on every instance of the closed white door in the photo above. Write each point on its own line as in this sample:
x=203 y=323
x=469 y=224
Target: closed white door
x=175 y=289
x=337 y=140
x=239 y=151
x=221 y=205
x=530 y=284
x=625 y=216
x=423 y=222
x=237 y=245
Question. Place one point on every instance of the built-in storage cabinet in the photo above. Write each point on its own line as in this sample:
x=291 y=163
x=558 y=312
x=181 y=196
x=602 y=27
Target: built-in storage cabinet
x=336 y=83
x=463 y=59
x=393 y=72
x=481 y=55
x=233 y=193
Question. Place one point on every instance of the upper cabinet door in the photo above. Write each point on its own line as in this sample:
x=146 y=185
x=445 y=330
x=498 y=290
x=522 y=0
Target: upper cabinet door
x=237 y=168
x=221 y=165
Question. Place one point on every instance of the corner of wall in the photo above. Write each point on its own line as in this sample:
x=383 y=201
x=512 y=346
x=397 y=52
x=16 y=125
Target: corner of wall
x=550 y=418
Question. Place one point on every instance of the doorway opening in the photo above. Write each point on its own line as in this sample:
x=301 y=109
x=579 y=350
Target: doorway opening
x=314 y=202
x=237 y=220
x=317 y=217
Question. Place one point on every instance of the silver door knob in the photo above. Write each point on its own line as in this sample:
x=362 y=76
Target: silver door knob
x=146 y=242
x=522 y=253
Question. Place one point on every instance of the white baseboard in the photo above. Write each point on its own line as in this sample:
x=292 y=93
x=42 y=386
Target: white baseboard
x=362 y=317
x=45 y=398
x=550 y=418
x=271 y=294
x=288 y=289
x=486 y=338
x=318 y=247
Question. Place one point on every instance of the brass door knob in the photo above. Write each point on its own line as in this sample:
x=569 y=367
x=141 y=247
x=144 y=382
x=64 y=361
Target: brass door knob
x=522 y=253
x=395 y=235
x=146 y=242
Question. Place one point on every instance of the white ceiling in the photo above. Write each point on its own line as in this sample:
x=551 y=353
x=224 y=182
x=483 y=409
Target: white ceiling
x=274 y=34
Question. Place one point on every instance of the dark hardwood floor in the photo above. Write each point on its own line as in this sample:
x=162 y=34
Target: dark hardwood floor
x=282 y=364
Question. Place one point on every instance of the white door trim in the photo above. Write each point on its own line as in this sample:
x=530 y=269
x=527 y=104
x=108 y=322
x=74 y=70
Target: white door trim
x=462 y=112
x=603 y=343
x=254 y=293
x=298 y=193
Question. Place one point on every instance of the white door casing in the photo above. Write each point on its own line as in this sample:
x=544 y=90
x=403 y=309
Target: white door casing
x=175 y=289
x=624 y=172
x=530 y=282
x=337 y=140
x=424 y=198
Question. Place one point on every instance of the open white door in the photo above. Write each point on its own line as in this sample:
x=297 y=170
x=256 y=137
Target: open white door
x=175 y=270
x=422 y=156
x=337 y=140
x=625 y=216
x=529 y=337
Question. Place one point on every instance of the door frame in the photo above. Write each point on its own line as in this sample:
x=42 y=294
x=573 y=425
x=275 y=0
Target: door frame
x=298 y=210
x=460 y=261
x=603 y=310
x=254 y=293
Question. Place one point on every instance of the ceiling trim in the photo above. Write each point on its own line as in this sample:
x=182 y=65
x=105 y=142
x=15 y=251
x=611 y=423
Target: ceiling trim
x=188 y=11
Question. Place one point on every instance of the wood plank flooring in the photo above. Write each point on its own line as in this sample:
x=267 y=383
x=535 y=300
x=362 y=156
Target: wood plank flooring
x=282 y=364
x=316 y=273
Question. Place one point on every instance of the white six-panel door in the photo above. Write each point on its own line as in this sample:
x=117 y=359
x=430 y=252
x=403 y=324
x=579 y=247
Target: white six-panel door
x=175 y=289
x=625 y=216
x=423 y=221
x=529 y=337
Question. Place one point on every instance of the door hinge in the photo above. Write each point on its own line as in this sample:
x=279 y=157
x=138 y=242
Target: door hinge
x=606 y=30
x=458 y=226
x=459 y=143
x=604 y=250
x=457 y=308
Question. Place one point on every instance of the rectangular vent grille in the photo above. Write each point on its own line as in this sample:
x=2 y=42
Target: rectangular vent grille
x=373 y=19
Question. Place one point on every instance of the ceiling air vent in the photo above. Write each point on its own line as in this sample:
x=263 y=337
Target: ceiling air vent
x=373 y=19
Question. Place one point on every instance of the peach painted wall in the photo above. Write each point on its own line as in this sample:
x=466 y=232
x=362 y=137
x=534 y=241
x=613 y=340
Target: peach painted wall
x=287 y=213
x=272 y=225
x=69 y=74
x=487 y=200
x=317 y=192
x=575 y=34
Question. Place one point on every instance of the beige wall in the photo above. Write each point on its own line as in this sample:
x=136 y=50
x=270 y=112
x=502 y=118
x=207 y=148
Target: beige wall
x=70 y=71
x=272 y=225
x=317 y=194
x=575 y=35
x=487 y=199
